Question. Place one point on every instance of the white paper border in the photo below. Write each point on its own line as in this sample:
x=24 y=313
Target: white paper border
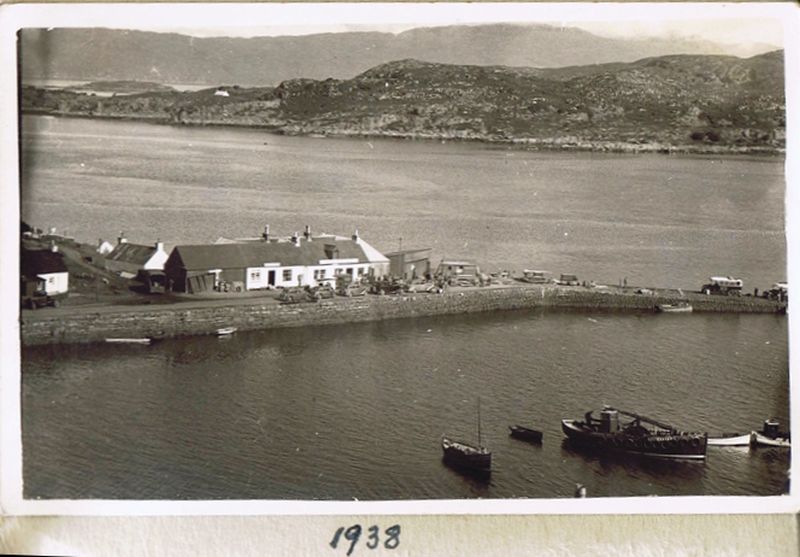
x=172 y=16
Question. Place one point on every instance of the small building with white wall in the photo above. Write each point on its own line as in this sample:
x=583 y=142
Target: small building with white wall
x=129 y=259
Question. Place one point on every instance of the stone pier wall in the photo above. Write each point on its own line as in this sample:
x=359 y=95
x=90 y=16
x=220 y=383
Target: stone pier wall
x=74 y=325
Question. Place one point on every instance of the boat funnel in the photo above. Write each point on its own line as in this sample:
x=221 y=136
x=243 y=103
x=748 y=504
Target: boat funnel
x=609 y=421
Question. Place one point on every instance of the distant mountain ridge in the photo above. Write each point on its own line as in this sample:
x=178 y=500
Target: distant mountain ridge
x=168 y=58
x=695 y=102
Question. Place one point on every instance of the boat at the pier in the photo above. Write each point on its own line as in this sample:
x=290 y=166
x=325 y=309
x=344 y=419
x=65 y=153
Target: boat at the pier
x=640 y=435
x=225 y=331
x=771 y=436
x=525 y=433
x=466 y=456
x=129 y=340
x=679 y=307
x=731 y=440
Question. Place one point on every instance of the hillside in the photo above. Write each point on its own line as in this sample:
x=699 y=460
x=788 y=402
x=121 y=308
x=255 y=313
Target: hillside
x=661 y=102
x=169 y=58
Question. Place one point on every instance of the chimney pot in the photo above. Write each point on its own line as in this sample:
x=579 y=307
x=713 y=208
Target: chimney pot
x=307 y=233
x=266 y=233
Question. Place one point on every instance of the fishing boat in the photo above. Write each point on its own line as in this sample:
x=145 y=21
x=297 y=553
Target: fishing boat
x=466 y=456
x=680 y=307
x=641 y=435
x=225 y=331
x=525 y=434
x=731 y=440
x=129 y=340
x=473 y=458
x=771 y=436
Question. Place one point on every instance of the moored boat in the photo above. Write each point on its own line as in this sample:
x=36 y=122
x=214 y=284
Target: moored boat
x=226 y=331
x=731 y=440
x=641 y=435
x=525 y=434
x=129 y=340
x=680 y=307
x=466 y=456
x=771 y=436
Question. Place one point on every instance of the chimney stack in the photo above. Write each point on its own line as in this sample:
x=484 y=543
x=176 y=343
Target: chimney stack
x=121 y=239
x=159 y=245
x=355 y=235
x=296 y=239
x=266 y=233
x=307 y=233
x=53 y=247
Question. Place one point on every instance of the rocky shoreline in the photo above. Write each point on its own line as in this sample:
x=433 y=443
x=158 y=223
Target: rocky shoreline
x=558 y=144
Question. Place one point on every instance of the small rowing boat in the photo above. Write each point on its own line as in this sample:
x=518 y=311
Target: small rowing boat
x=730 y=440
x=129 y=340
x=225 y=331
x=525 y=434
x=680 y=307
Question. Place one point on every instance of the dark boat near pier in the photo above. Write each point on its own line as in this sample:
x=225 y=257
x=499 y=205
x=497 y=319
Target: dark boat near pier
x=641 y=435
x=525 y=434
x=468 y=457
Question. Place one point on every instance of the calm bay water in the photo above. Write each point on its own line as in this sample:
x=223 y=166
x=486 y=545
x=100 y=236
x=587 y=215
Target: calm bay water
x=358 y=411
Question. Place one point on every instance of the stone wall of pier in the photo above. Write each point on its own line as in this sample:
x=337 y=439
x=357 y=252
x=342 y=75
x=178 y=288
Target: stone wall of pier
x=75 y=325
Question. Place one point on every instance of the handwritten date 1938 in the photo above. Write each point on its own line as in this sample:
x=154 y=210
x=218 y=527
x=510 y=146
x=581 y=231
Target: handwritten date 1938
x=354 y=532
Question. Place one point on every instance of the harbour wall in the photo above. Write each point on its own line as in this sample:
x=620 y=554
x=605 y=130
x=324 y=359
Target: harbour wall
x=68 y=325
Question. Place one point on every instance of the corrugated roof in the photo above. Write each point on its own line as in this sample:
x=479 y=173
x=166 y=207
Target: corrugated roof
x=41 y=262
x=131 y=253
x=256 y=254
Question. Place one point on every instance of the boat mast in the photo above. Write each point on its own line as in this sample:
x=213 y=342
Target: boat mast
x=644 y=419
x=479 y=421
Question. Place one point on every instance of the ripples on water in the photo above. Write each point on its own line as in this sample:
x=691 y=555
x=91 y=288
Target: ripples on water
x=358 y=411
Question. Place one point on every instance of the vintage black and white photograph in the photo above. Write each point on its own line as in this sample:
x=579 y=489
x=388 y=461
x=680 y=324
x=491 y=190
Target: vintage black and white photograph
x=505 y=253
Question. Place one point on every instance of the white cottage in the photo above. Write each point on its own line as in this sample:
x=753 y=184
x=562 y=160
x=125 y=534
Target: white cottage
x=269 y=263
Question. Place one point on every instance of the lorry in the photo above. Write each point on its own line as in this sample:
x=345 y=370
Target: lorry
x=723 y=286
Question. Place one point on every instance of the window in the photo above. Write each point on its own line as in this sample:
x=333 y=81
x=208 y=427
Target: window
x=338 y=271
x=287 y=274
x=255 y=275
x=51 y=280
x=350 y=271
x=360 y=271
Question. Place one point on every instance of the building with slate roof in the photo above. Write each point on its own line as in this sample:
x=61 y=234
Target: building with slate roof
x=43 y=273
x=253 y=264
x=129 y=259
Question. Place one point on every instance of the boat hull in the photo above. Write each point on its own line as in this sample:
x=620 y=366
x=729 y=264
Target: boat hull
x=737 y=440
x=467 y=457
x=525 y=434
x=690 y=446
x=761 y=440
x=674 y=308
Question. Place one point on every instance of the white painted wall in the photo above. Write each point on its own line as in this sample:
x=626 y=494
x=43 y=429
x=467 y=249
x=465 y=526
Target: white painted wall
x=157 y=260
x=258 y=277
x=55 y=283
